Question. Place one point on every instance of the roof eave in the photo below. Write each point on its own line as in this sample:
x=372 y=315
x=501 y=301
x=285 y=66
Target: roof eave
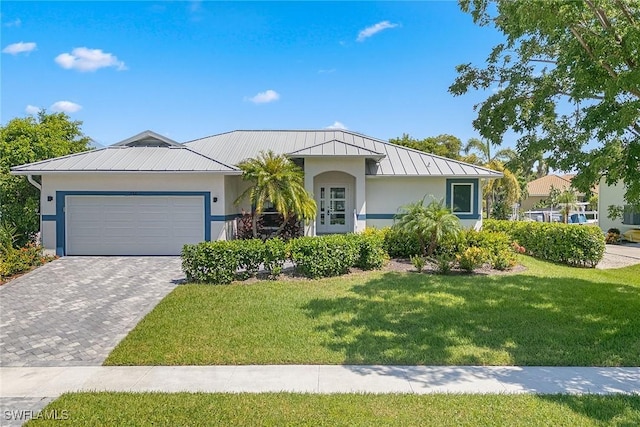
x=109 y=171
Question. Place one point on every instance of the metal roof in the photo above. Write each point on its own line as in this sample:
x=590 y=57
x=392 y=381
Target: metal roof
x=233 y=147
x=148 y=138
x=336 y=148
x=129 y=159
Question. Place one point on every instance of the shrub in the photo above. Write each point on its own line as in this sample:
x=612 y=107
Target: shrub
x=323 y=256
x=472 y=258
x=497 y=247
x=275 y=254
x=15 y=261
x=431 y=224
x=613 y=236
x=573 y=245
x=503 y=260
x=371 y=253
x=250 y=254
x=210 y=262
x=418 y=262
x=443 y=263
x=400 y=244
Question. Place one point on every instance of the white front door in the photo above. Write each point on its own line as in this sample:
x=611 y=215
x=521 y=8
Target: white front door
x=333 y=209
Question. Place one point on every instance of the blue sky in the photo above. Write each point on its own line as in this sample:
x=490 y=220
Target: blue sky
x=192 y=69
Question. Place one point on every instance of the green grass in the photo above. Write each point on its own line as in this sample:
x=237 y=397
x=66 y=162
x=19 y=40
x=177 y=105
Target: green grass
x=547 y=315
x=185 y=409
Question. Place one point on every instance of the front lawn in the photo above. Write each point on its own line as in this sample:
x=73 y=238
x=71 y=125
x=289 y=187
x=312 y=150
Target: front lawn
x=182 y=409
x=548 y=315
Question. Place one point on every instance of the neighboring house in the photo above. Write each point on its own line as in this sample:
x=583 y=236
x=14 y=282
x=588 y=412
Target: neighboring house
x=614 y=195
x=149 y=195
x=539 y=190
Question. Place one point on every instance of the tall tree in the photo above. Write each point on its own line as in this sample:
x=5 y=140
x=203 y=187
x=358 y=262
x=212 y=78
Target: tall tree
x=567 y=75
x=506 y=190
x=26 y=140
x=277 y=180
x=479 y=152
x=441 y=145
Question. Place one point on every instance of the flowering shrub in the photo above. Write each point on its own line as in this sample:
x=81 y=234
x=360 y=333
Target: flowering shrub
x=15 y=261
x=472 y=258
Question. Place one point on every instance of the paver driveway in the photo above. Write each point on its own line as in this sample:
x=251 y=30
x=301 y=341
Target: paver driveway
x=73 y=311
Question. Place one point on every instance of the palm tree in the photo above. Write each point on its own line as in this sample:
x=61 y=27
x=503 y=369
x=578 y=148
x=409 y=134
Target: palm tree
x=481 y=152
x=277 y=180
x=507 y=188
x=568 y=200
x=431 y=224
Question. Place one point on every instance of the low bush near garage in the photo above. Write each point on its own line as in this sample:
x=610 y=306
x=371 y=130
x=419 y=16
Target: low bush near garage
x=574 y=245
x=210 y=262
x=18 y=260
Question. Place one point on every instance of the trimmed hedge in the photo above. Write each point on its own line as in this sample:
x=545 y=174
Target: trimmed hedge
x=210 y=262
x=574 y=245
x=399 y=244
x=324 y=256
x=371 y=252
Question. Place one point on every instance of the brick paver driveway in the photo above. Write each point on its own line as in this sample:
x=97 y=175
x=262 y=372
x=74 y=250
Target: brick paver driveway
x=74 y=311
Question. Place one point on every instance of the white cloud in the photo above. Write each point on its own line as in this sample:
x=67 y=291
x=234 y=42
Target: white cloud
x=65 y=107
x=32 y=109
x=329 y=71
x=337 y=125
x=21 y=47
x=15 y=23
x=265 y=97
x=374 y=29
x=84 y=59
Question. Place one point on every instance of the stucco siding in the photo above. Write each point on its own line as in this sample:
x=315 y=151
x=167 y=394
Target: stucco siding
x=55 y=184
x=611 y=195
x=386 y=195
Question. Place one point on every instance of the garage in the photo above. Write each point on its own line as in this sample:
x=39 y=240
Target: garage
x=132 y=225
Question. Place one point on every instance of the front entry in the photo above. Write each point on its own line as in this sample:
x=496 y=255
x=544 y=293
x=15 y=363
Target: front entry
x=334 y=206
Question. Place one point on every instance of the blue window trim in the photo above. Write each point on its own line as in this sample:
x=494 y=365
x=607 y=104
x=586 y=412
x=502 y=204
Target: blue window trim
x=60 y=219
x=475 y=198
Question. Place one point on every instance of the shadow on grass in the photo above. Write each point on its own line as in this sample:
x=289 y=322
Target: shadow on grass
x=619 y=410
x=406 y=319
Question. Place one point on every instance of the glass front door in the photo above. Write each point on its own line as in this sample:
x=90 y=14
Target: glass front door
x=333 y=210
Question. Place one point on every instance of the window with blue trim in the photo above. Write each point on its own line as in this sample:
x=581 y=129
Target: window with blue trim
x=462 y=198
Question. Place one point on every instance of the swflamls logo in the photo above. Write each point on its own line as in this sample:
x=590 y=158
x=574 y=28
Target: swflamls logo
x=28 y=414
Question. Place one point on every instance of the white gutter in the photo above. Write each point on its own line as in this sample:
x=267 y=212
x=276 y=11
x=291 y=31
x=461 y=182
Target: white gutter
x=39 y=187
x=33 y=182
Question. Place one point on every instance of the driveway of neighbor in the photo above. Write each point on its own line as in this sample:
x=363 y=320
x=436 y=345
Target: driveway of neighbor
x=623 y=255
x=75 y=310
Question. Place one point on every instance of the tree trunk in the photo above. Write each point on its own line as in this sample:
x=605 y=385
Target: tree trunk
x=254 y=224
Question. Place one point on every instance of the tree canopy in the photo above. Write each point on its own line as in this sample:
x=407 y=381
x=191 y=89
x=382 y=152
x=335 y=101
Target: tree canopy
x=567 y=81
x=441 y=145
x=26 y=140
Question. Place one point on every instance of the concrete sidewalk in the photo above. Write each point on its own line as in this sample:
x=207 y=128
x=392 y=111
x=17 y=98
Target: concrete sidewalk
x=16 y=382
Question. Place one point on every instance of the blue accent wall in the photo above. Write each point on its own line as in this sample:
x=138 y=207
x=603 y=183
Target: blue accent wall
x=476 y=196
x=60 y=219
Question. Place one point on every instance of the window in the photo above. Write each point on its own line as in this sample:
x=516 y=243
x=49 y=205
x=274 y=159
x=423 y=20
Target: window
x=462 y=198
x=631 y=215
